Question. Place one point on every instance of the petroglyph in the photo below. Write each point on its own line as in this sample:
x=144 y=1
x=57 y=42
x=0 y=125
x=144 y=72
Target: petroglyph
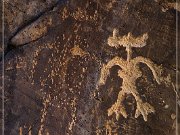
x=77 y=51
x=129 y=72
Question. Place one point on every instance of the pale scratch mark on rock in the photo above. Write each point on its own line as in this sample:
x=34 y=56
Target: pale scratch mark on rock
x=73 y=115
x=80 y=14
x=20 y=131
x=44 y=113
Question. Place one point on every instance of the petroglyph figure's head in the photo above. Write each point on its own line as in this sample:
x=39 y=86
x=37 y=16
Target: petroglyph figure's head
x=127 y=40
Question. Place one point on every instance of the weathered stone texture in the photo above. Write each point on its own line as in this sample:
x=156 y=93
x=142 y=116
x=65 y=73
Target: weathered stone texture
x=52 y=88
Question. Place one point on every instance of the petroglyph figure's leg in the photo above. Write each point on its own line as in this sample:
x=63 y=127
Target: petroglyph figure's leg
x=142 y=108
x=118 y=108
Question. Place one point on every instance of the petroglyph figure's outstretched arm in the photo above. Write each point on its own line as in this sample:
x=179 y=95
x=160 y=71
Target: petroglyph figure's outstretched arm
x=154 y=68
x=105 y=69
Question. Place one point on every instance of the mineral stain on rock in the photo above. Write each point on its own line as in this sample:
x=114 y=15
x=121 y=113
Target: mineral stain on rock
x=52 y=72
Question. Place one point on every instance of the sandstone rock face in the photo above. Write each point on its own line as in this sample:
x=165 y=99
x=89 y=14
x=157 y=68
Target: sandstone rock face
x=55 y=51
x=18 y=14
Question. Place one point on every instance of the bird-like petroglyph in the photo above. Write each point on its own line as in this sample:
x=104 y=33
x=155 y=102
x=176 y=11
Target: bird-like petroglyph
x=129 y=72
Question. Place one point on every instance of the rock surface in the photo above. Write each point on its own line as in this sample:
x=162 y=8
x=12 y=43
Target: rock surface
x=53 y=63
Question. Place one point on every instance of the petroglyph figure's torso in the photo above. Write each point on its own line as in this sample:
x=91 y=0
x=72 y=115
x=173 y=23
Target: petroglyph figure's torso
x=130 y=75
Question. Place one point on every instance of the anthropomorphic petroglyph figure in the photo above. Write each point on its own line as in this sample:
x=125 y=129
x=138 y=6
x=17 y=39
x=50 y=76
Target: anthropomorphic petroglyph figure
x=129 y=72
